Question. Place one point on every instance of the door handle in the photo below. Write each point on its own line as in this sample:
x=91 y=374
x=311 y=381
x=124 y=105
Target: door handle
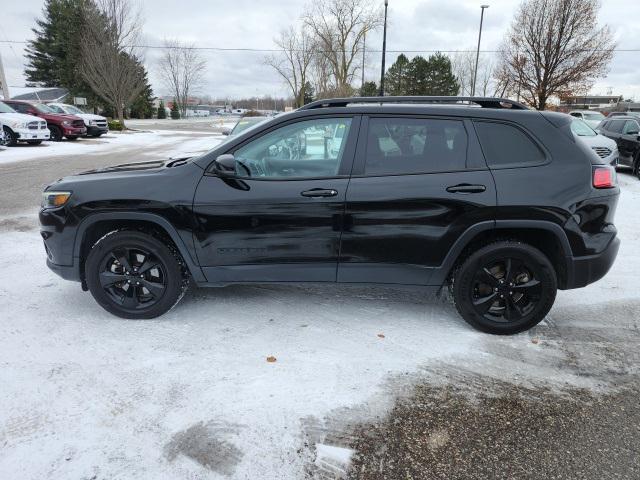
x=319 y=192
x=466 y=188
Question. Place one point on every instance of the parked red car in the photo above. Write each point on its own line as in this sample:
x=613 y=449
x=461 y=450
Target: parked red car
x=60 y=125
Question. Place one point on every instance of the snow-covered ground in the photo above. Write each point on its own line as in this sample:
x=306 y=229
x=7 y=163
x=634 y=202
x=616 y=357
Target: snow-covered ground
x=192 y=395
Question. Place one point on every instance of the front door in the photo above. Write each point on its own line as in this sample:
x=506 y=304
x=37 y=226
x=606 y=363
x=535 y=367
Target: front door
x=418 y=183
x=628 y=142
x=280 y=217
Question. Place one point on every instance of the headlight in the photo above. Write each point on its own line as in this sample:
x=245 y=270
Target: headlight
x=66 y=122
x=54 y=199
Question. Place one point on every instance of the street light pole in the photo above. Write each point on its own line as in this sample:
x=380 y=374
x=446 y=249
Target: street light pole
x=475 y=71
x=384 y=48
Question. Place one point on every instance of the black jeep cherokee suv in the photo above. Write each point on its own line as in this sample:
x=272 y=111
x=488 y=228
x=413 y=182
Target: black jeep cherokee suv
x=502 y=203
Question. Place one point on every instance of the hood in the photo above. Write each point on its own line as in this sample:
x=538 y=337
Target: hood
x=13 y=118
x=130 y=167
x=90 y=116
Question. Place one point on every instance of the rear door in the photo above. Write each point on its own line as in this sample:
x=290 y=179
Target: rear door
x=418 y=183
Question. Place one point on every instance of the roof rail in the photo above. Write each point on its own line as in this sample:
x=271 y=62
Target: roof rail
x=484 y=102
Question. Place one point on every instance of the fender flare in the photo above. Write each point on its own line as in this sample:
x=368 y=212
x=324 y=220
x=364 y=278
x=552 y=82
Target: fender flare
x=94 y=218
x=441 y=273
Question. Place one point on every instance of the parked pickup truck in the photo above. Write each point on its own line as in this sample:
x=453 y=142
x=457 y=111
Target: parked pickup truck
x=17 y=127
x=96 y=125
x=69 y=126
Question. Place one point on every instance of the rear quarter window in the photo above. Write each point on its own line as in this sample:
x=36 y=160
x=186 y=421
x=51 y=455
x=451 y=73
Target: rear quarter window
x=507 y=146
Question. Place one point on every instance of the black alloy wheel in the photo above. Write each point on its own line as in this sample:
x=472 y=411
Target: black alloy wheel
x=505 y=287
x=133 y=278
x=56 y=133
x=135 y=275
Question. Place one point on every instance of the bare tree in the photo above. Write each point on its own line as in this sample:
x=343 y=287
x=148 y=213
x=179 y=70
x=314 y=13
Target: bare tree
x=294 y=60
x=182 y=69
x=555 y=46
x=339 y=27
x=463 y=66
x=111 y=64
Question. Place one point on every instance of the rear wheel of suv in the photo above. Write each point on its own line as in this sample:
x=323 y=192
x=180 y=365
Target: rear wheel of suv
x=135 y=275
x=505 y=287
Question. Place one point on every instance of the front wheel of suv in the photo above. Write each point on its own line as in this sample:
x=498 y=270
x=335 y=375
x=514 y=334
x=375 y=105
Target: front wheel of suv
x=505 y=287
x=134 y=275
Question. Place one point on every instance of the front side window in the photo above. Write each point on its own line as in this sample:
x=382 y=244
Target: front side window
x=616 y=126
x=307 y=149
x=504 y=145
x=631 y=128
x=20 y=107
x=4 y=108
x=401 y=146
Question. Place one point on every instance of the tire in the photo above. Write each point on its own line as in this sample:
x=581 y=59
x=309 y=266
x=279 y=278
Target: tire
x=72 y=138
x=56 y=133
x=10 y=137
x=142 y=258
x=34 y=142
x=505 y=287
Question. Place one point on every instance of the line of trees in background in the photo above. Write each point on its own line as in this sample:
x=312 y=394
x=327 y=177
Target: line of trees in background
x=88 y=47
x=553 y=47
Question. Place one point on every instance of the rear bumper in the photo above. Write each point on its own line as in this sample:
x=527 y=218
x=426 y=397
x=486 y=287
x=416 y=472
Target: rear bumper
x=68 y=272
x=585 y=270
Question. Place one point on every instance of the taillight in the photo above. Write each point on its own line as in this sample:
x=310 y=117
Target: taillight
x=604 y=177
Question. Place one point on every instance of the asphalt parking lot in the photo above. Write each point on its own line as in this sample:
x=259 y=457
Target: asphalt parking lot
x=367 y=383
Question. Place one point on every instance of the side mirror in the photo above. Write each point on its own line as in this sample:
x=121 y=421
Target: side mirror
x=225 y=165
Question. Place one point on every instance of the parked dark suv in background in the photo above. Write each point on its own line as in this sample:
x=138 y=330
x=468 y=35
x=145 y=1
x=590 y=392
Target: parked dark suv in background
x=625 y=130
x=504 y=204
x=60 y=125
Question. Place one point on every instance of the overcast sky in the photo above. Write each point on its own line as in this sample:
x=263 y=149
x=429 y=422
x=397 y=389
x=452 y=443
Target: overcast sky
x=413 y=25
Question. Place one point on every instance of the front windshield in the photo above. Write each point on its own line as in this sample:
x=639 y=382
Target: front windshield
x=593 y=115
x=72 y=109
x=56 y=109
x=4 y=108
x=43 y=108
x=582 y=129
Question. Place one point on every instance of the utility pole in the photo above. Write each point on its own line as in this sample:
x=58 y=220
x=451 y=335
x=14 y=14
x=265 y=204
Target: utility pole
x=384 y=48
x=364 y=49
x=475 y=72
x=4 y=88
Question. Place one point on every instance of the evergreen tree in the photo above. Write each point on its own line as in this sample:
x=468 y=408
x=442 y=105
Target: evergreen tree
x=142 y=106
x=53 y=57
x=417 y=76
x=369 y=89
x=175 y=110
x=307 y=94
x=441 y=80
x=395 y=80
x=162 y=113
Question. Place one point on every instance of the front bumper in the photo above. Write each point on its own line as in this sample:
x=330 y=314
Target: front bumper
x=95 y=130
x=68 y=272
x=26 y=134
x=581 y=271
x=74 y=131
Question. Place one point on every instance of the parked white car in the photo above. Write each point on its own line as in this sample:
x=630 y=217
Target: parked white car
x=590 y=117
x=604 y=147
x=18 y=127
x=96 y=124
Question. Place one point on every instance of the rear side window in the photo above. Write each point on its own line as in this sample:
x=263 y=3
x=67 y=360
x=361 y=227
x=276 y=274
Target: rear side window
x=507 y=146
x=400 y=146
x=616 y=126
